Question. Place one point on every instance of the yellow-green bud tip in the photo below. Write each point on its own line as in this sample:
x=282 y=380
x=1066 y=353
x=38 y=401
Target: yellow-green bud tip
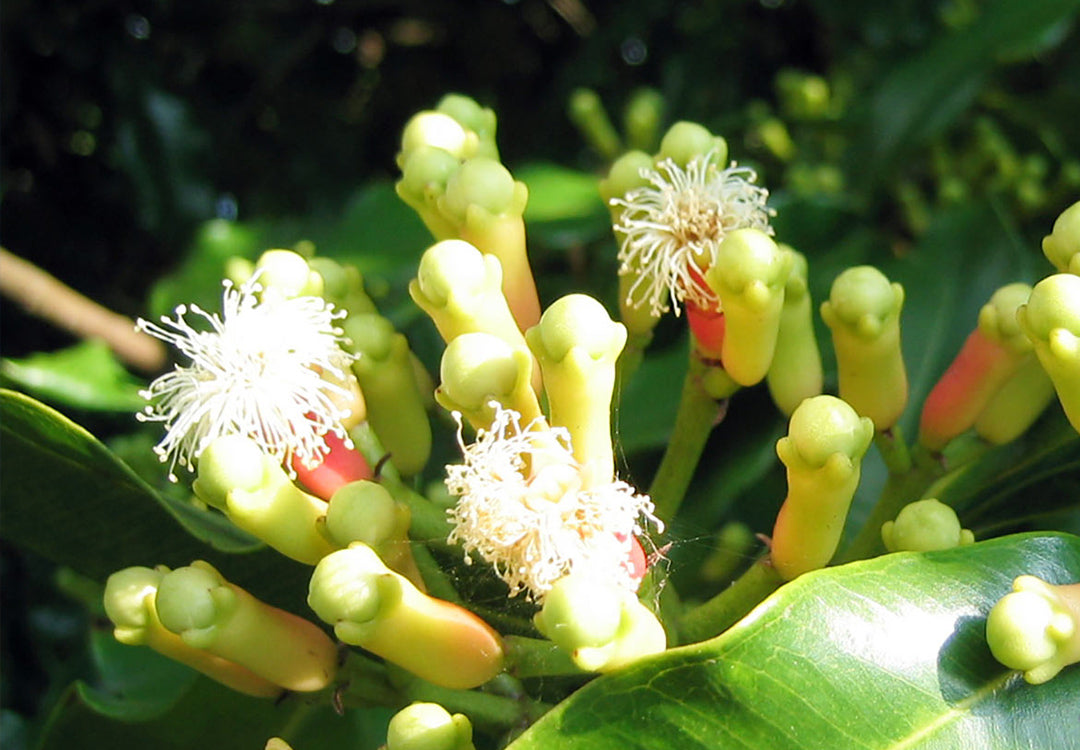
x=824 y=425
x=625 y=175
x=286 y=274
x=371 y=336
x=577 y=321
x=187 y=598
x=362 y=511
x=425 y=172
x=580 y=612
x=453 y=267
x=437 y=130
x=485 y=183
x=863 y=299
x=428 y=726
x=477 y=367
x=924 y=526
x=229 y=463
x=345 y=586
x=685 y=140
x=1054 y=304
x=1033 y=630
x=1062 y=246
x=747 y=257
x=997 y=318
x=126 y=593
x=468 y=112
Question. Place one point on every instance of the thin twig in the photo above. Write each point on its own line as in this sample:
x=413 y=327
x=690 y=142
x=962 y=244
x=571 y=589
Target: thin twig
x=48 y=298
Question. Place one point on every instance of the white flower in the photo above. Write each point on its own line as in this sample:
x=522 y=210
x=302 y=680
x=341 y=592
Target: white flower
x=522 y=508
x=271 y=371
x=671 y=228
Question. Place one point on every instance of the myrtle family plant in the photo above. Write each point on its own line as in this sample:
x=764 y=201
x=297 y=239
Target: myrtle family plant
x=458 y=555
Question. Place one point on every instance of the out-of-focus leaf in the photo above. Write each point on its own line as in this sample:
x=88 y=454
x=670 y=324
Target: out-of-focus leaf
x=146 y=701
x=923 y=96
x=648 y=402
x=68 y=499
x=887 y=653
x=85 y=376
x=557 y=193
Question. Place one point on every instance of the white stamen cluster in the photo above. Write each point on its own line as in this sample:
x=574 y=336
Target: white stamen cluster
x=671 y=228
x=522 y=508
x=270 y=370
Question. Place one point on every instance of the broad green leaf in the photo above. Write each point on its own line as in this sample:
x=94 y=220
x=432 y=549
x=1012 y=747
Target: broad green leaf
x=85 y=376
x=70 y=500
x=888 y=653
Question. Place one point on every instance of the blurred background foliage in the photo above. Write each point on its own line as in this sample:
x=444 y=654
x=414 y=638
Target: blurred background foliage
x=936 y=138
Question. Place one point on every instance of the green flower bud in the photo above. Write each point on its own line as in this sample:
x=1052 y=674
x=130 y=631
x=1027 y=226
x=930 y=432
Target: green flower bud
x=1017 y=404
x=395 y=407
x=343 y=286
x=642 y=117
x=486 y=205
x=1036 y=628
x=473 y=117
x=377 y=609
x=749 y=276
x=601 y=625
x=925 y=526
x=729 y=552
x=624 y=176
x=364 y=511
x=478 y=368
x=802 y=96
x=286 y=274
x=257 y=495
x=577 y=345
x=129 y=604
x=1051 y=319
x=1062 y=246
x=685 y=140
x=428 y=726
x=823 y=452
x=592 y=121
x=990 y=357
x=775 y=137
x=436 y=130
x=863 y=312
x=211 y=614
x=425 y=173
x=461 y=290
x=795 y=372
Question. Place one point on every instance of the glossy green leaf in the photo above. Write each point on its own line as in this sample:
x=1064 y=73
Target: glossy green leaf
x=888 y=653
x=70 y=500
x=85 y=376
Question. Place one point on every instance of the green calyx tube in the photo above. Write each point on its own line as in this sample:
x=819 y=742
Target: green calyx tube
x=379 y=610
x=749 y=276
x=602 y=626
x=863 y=312
x=257 y=495
x=130 y=596
x=1051 y=319
x=577 y=345
x=211 y=614
x=386 y=372
x=823 y=452
x=795 y=372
